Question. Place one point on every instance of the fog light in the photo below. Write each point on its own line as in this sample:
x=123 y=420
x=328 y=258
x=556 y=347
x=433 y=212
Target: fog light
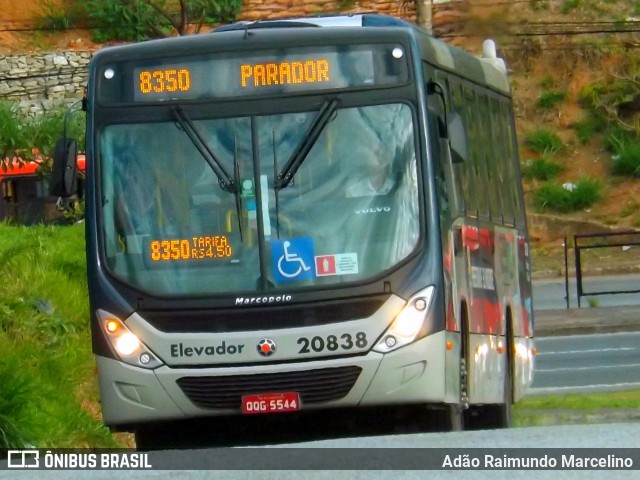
x=390 y=341
x=420 y=304
x=145 y=358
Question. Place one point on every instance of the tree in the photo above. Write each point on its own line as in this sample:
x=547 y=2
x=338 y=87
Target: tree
x=423 y=14
x=144 y=19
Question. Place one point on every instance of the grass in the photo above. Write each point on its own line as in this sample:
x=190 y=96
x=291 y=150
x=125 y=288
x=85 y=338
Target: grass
x=577 y=409
x=541 y=169
x=587 y=127
x=550 y=99
x=49 y=393
x=544 y=141
x=626 y=154
x=570 y=5
x=555 y=197
x=582 y=401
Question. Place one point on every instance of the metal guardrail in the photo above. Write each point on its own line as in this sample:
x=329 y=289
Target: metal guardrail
x=585 y=242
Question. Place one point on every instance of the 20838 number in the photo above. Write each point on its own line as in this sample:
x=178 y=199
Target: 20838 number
x=333 y=343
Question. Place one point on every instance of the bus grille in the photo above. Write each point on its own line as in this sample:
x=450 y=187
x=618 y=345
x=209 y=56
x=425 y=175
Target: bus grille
x=313 y=386
x=266 y=318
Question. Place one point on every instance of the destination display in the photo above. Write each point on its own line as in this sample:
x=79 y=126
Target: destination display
x=190 y=249
x=282 y=71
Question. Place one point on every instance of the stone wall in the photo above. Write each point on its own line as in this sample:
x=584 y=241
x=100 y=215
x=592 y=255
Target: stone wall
x=43 y=81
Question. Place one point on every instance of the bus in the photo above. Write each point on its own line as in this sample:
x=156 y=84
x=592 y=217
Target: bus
x=305 y=214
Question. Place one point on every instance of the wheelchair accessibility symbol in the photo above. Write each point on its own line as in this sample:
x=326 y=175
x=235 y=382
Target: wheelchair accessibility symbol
x=293 y=259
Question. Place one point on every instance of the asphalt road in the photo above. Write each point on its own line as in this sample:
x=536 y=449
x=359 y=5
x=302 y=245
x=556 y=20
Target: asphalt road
x=587 y=363
x=551 y=293
x=326 y=458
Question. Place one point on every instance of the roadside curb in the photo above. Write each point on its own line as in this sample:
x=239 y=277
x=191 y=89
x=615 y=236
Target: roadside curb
x=575 y=321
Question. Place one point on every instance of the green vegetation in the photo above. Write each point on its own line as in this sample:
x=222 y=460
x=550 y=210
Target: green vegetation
x=582 y=401
x=626 y=153
x=48 y=396
x=144 y=19
x=576 y=408
x=543 y=141
x=570 y=5
x=555 y=197
x=537 y=5
x=549 y=99
x=137 y=20
x=54 y=17
x=593 y=302
x=541 y=169
x=34 y=137
x=588 y=127
x=629 y=209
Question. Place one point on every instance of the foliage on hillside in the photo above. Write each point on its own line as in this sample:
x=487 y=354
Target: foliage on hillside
x=135 y=20
x=576 y=80
x=575 y=73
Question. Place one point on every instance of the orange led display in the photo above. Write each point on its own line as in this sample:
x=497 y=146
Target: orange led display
x=284 y=73
x=161 y=81
x=195 y=248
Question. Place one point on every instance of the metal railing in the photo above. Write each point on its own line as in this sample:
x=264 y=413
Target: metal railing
x=585 y=242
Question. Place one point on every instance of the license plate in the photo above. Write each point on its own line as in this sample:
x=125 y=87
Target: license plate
x=270 y=403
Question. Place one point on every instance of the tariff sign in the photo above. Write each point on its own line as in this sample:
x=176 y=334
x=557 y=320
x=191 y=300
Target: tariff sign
x=270 y=403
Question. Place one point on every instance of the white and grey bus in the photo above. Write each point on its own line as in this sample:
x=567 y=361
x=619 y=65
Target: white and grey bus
x=305 y=214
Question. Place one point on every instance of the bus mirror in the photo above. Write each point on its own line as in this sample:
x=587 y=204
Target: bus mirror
x=64 y=169
x=457 y=138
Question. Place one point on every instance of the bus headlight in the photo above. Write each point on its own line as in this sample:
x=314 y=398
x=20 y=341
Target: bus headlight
x=407 y=325
x=124 y=343
x=127 y=344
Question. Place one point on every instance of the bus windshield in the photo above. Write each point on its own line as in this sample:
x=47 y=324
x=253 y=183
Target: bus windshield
x=349 y=213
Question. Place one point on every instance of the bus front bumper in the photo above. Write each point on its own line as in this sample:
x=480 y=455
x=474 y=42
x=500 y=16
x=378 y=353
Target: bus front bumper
x=422 y=372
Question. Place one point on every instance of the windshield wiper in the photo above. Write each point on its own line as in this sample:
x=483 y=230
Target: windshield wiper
x=236 y=176
x=224 y=179
x=304 y=147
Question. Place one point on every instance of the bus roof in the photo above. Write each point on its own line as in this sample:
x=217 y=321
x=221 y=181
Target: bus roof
x=488 y=69
x=346 y=20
